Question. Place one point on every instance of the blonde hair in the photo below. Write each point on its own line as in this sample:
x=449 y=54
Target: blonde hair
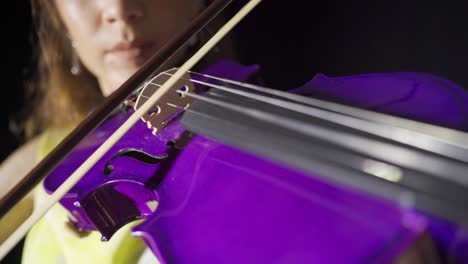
x=59 y=97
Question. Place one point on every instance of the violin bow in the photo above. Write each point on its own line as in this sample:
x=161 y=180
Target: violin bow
x=52 y=160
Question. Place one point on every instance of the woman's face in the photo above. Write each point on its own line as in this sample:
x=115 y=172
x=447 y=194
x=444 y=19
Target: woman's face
x=114 y=38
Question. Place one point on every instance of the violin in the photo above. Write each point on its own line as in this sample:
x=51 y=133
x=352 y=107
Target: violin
x=217 y=186
x=226 y=171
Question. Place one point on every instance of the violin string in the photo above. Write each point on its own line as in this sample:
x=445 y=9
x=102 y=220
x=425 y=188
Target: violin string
x=341 y=138
x=408 y=137
x=344 y=109
x=418 y=129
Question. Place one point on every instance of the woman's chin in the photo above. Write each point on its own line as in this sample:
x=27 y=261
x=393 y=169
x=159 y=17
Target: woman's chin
x=114 y=80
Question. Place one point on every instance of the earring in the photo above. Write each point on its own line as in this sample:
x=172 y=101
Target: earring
x=75 y=61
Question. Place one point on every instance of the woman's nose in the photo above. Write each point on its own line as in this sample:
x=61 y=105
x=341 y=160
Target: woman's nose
x=128 y=11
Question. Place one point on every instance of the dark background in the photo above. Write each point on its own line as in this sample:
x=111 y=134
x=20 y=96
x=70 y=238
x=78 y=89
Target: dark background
x=294 y=40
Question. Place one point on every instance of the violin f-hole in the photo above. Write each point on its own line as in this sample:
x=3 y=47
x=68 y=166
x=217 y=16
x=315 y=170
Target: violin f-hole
x=134 y=154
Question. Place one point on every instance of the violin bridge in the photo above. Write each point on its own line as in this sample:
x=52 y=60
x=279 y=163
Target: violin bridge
x=170 y=105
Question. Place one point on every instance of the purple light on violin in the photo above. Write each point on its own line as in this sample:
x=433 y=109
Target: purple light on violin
x=232 y=207
x=218 y=204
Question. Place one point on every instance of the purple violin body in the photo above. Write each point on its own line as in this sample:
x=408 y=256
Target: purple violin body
x=219 y=204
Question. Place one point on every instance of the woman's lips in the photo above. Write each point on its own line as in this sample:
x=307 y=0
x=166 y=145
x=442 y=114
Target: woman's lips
x=131 y=52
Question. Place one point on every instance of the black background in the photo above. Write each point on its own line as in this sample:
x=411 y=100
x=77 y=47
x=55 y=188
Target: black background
x=294 y=40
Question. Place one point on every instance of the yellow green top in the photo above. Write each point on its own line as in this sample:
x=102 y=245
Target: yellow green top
x=51 y=241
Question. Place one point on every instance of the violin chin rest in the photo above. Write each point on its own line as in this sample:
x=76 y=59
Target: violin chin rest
x=117 y=203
